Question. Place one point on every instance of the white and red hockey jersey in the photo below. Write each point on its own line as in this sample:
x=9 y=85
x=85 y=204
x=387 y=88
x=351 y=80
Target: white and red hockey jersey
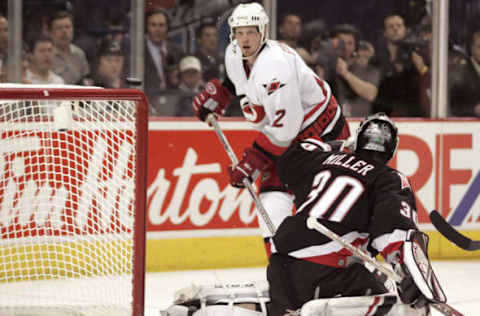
x=286 y=98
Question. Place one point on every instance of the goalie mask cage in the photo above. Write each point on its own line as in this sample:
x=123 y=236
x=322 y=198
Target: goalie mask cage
x=72 y=201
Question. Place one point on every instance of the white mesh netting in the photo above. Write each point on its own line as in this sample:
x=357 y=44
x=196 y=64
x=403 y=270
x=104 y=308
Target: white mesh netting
x=67 y=206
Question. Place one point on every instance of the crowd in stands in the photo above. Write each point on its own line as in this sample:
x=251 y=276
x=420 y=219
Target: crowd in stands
x=391 y=75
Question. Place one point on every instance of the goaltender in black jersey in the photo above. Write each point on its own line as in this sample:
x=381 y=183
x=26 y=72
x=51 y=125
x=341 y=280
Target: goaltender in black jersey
x=352 y=193
x=370 y=205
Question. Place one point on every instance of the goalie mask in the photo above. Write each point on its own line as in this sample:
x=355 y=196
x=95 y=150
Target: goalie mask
x=249 y=14
x=377 y=133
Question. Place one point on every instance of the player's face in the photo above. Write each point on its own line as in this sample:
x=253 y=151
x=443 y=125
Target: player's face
x=248 y=38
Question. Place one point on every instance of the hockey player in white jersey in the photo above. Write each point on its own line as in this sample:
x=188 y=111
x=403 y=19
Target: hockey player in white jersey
x=281 y=97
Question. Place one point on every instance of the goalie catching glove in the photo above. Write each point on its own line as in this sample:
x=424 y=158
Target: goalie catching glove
x=419 y=285
x=253 y=161
x=214 y=98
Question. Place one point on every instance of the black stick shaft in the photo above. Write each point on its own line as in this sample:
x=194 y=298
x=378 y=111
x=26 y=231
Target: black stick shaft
x=452 y=234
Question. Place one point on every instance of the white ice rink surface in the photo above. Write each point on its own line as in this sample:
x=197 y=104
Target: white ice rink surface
x=460 y=281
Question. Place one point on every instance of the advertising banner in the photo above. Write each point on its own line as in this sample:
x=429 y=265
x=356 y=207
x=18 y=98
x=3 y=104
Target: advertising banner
x=61 y=184
x=189 y=196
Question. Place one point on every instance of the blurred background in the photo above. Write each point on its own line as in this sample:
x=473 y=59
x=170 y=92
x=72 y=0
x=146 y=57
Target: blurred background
x=418 y=58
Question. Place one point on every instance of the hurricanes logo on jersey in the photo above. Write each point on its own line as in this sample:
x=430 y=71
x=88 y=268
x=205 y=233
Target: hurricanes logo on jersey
x=211 y=89
x=273 y=86
x=253 y=112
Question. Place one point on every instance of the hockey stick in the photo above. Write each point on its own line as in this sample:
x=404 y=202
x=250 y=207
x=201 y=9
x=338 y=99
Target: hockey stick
x=372 y=264
x=451 y=233
x=228 y=149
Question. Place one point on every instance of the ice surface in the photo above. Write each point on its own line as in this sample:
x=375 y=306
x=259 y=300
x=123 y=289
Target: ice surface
x=460 y=281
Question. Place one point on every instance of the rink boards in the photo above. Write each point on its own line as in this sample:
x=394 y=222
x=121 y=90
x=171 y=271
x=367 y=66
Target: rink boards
x=195 y=219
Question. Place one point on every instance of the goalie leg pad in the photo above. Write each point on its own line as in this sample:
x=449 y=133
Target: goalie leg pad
x=223 y=310
x=385 y=304
x=418 y=265
x=377 y=305
x=235 y=296
x=407 y=310
x=212 y=310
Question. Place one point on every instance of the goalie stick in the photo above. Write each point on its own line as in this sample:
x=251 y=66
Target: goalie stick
x=451 y=233
x=371 y=263
x=228 y=149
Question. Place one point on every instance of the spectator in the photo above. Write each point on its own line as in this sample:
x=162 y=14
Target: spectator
x=161 y=54
x=41 y=54
x=290 y=29
x=325 y=52
x=109 y=66
x=3 y=47
x=320 y=70
x=112 y=30
x=421 y=61
x=191 y=83
x=69 y=60
x=465 y=82
x=207 y=52
x=94 y=16
x=399 y=92
x=356 y=83
x=365 y=53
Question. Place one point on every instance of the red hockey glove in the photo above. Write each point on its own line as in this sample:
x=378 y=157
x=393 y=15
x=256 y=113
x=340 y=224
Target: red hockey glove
x=252 y=161
x=213 y=99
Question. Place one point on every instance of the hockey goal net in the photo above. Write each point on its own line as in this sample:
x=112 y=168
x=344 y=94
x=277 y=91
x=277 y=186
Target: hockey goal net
x=72 y=199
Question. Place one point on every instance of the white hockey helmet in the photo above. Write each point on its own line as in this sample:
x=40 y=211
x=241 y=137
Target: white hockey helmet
x=377 y=133
x=249 y=14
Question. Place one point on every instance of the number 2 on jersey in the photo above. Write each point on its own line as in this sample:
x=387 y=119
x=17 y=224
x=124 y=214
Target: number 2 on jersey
x=326 y=195
x=278 y=117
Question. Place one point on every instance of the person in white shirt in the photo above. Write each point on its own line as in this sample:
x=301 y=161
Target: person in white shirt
x=281 y=97
x=39 y=70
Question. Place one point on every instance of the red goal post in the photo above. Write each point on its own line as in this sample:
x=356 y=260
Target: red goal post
x=72 y=200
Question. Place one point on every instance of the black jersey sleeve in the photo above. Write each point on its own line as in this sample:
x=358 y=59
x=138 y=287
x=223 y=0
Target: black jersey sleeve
x=393 y=213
